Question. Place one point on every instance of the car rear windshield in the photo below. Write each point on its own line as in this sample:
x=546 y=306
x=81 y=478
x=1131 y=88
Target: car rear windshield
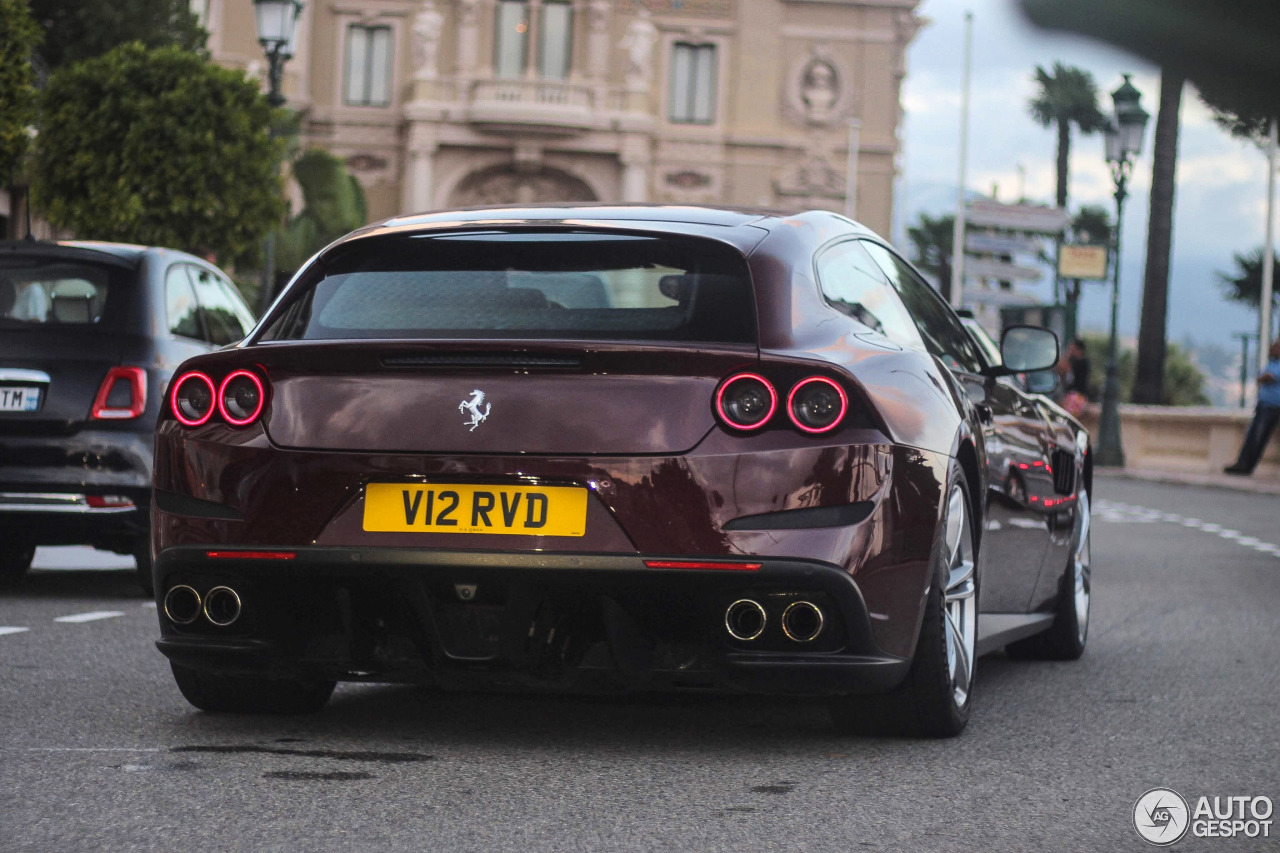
x=35 y=292
x=526 y=284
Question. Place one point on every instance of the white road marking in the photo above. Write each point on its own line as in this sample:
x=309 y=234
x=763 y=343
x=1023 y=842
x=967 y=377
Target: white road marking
x=150 y=604
x=80 y=749
x=7 y=630
x=91 y=616
x=1122 y=513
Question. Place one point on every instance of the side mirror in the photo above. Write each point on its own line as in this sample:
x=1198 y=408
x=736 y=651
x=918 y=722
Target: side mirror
x=1028 y=348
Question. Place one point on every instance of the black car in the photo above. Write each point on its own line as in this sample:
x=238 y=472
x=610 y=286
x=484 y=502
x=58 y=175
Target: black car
x=90 y=334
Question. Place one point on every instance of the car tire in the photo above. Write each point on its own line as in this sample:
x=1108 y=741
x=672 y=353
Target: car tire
x=1066 y=638
x=15 y=559
x=935 y=697
x=142 y=556
x=241 y=694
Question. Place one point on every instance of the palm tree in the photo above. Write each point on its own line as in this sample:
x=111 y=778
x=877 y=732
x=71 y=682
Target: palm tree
x=932 y=241
x=1067 y=96
x=1244 y=283
x=1091 y=225
x=1148 y=383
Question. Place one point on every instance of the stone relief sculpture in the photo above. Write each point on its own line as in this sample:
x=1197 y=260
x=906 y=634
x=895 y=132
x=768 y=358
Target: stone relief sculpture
x=427 y=25
x=509 y=185
x=813 y=179
x=638 y=42
x=818 y=91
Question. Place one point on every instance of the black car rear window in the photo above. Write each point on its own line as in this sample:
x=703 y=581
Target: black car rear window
x=36 y=292
x=526 y=284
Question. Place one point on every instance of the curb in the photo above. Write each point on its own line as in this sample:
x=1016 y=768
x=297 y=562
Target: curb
x=1212 y=481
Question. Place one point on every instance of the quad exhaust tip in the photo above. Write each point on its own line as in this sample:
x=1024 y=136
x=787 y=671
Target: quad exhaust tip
x=182 y=605
x=745 y=620
x=222 y=606
x=802 y=621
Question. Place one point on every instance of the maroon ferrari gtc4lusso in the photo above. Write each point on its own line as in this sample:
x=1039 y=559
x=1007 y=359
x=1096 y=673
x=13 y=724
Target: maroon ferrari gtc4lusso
x=617 y=448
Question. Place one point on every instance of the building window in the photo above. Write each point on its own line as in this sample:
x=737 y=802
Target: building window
x=511 y=39
x=555 y=47
x=693 y=83
x=368 y=66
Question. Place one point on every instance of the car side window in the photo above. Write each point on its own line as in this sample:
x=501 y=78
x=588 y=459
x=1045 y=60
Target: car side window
x=242 y=311
x=222 y=314
x=943 y=335
x=181 y=308
x=854 y=285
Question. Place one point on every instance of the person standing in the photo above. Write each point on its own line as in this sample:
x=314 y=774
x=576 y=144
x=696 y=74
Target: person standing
x=1265 y=416
x=1074 y=370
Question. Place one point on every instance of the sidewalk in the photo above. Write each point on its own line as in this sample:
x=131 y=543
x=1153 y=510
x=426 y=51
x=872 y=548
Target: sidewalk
x=1256 y=485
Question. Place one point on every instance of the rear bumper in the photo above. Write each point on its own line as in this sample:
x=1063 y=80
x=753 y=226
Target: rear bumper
x=578 y=622
x=44 y=482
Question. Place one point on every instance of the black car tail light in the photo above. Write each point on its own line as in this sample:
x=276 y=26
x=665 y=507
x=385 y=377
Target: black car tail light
x=122 y=395
x=241 y=398
x=817 y=404
x=192 y=399
x=746 y=401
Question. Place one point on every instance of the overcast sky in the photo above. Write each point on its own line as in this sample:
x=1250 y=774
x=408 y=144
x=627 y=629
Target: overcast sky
x=1221 y=192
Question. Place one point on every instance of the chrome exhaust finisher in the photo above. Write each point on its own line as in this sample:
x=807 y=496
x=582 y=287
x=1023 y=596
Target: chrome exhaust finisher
x=745 y=620
x=802 y=621
x=182 y=605
x=222 y=606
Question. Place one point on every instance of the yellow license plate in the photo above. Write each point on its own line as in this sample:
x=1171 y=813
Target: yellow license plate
x=455 y=508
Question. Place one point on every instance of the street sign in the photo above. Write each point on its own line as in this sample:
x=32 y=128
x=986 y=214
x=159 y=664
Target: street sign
x=1000 y=244
x=1080 y=261
x=1017 y=217
x=1000 y=270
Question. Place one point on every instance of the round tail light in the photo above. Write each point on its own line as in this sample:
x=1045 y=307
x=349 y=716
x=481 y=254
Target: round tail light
x=746 y=401
x=241 y=397
x=192 y=399
x=817 y=404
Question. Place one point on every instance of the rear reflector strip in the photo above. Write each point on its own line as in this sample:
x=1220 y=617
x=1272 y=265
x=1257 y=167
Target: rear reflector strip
x=107 y=501
x=250 y=555
x=698 y=564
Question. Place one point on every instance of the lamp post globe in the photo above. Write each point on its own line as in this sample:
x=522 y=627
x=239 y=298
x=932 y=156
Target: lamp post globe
x=277 y=22
x=1123 y=142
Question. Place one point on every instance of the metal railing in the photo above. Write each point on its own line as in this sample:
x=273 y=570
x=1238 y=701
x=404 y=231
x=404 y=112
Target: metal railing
x=532 y=93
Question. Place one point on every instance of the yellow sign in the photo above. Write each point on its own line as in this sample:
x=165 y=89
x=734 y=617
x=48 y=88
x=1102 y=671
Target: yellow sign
x=1083 y=262
x=457 y=508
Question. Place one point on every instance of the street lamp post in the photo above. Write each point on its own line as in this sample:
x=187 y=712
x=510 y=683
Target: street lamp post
x=277 y=26
x=1123 y=144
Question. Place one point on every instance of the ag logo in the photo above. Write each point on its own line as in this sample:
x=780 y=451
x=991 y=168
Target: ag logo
x=1161 y=816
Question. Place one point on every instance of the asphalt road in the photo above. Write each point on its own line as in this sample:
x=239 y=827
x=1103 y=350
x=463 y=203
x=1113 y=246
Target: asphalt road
x=1179 y=688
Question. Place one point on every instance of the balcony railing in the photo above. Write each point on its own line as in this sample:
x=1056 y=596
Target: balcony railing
x=550 y=105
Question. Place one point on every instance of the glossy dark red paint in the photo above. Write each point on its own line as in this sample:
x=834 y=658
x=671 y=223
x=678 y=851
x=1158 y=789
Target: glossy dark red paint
x=636 y=425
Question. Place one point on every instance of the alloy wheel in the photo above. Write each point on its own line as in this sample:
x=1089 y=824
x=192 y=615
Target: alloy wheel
x=960 y=601
x=1080 y=568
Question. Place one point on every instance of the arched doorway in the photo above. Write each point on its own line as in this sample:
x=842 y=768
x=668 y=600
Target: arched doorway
x=507 y=185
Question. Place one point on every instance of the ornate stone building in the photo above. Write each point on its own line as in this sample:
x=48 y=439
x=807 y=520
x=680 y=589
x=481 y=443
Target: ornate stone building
x=442 y=103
